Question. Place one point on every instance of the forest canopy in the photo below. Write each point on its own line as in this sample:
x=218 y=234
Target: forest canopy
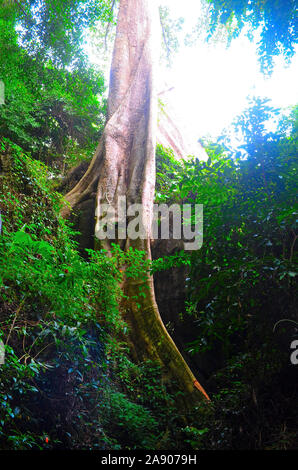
x=277 y=22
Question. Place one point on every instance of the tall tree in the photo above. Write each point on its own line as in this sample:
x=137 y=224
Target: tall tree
x=124 y=165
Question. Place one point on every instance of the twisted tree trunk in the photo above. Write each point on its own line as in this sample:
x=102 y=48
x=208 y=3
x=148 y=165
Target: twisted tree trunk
x=124 y=165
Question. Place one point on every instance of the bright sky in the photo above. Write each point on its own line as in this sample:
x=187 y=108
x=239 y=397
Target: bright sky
x=211 y=82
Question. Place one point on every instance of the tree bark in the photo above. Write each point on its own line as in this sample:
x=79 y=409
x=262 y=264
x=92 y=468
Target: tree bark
x=124 y=165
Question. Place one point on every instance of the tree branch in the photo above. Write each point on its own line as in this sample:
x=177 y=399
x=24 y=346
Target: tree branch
x=108 y=27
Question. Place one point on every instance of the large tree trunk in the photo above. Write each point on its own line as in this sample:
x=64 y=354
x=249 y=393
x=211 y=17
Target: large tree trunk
x=124 y=165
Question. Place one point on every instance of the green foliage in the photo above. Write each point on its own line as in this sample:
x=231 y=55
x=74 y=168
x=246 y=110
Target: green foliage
x=67 y=380
x=52 y=30
x=53 y=304
x=170 y=29
x=244 y=278
x=194 y=436
x=131 y=422
x=277 y=20
x=168 y=171
x=53 y=112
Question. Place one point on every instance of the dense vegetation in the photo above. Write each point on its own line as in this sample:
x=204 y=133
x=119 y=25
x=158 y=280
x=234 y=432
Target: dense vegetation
x=243 y=279
x=69 y=379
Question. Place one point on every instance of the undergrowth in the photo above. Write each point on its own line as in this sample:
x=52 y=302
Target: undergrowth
x=68 y=380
